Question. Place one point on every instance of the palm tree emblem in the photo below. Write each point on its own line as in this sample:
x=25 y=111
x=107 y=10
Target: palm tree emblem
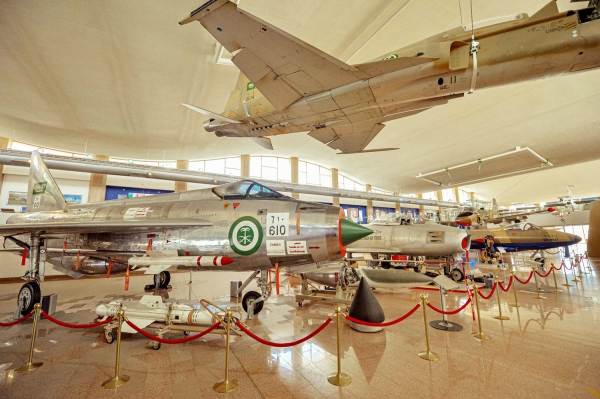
x=245 y=235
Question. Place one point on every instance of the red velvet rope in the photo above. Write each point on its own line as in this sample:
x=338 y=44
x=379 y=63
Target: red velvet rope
x=282 y=344
x=509 y=284
x=389 y=323
x=452 y=312
x=172 y=341
x=544 y=275
x=526 y=281
x=62 y=323
x=560 y=267
x=491 y=292
x=568 y=268
x=12 y=323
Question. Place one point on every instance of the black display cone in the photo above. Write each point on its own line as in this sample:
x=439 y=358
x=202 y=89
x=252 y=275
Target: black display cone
x=365 y=307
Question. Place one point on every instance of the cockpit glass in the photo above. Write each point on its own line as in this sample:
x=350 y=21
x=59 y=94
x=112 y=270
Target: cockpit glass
x=529 y=226
x=245 y=189
x=236 y=189
x=258 y=191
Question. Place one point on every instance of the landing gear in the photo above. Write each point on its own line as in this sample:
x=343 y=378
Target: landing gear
x=457 y=274
x=155 y=345
x=253 y=302
x=162 y=279
x=252 y=296
x=109 y=337
x=29 y=295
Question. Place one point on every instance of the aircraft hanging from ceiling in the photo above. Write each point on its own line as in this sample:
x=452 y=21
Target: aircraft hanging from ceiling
x=293 y=87
x=240 y=226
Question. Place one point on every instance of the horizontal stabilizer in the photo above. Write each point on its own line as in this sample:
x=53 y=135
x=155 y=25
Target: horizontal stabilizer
x=69 y=273
x=382 y=67
x=211 y=115
x=264 y=142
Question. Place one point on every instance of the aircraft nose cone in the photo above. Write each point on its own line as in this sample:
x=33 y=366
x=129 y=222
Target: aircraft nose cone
x=351 y=232
x=577 y=239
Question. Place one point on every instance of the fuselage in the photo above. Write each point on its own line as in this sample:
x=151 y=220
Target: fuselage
x=246 y=222
x=516 y=51
x=529 y=238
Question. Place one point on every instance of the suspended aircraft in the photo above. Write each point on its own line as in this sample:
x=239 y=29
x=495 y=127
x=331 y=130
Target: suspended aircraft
x=289 y=86
x=240 y=226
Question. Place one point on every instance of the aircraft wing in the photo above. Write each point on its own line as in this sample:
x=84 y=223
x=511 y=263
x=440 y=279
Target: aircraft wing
x=122 y=226
x=282 y=67
x=348 y=138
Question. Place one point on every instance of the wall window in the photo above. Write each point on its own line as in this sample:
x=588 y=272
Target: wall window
x=28 y=147
x=271 y=168
x=348 y=184
x=463 y=196
x=224 y=166
x=448 y=195
x=312 y=174
x=429 y=196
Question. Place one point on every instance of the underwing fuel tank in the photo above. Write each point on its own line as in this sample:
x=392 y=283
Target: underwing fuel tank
x=151 y=308
x=87 y=265
x=377 y=278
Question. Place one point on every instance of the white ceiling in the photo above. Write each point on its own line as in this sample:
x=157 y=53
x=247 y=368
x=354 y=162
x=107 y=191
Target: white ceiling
x=108 y=77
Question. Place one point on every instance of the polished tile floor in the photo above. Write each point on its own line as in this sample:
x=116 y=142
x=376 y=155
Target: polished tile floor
x=549 y=348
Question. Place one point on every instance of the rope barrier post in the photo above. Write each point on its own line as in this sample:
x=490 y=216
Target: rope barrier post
x=427 y=355
x=480 y=334
x=554 y=276
x=581 y=262
x=537 y=283
x=566 y=284
x=577 y=278
x=225 y=385
x=30 y=365
x=339 y=379
x=444 y=324
x=117 y=380
x=499 y=316
x=516 y=304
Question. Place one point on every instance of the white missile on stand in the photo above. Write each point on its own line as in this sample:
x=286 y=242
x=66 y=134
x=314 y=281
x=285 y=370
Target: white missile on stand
x=159 y=261
x=151 y=309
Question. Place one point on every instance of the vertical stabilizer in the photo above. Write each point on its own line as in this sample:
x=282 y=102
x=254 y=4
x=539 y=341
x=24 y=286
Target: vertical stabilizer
x=244 y=100
x=43 y=193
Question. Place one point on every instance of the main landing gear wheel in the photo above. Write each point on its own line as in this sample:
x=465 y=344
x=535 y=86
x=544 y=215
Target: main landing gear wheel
x=257 y=305
x=162 y=279
x=29 y=295
x=457 y=275
x=109 y=337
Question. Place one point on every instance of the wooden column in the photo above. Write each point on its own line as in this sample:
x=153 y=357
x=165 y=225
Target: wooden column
x=294 y=168
x=334 y=184
x=181 y=186
x=97 y=190
x=245 y=161
x=593 y=240
x=370 y=214
x=4 y=143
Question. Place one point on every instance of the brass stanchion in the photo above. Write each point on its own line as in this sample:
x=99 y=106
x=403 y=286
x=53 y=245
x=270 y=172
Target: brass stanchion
x=30 y=365
x=339 y=379
x=537 y=283
x=480 y=334
x=225 y=385
x=566 y=284
x=577 y=278
x=117 y=380
x=581 y=262
x=516 y=304
x=554 y=276
x=499 y=317
x=427 y=355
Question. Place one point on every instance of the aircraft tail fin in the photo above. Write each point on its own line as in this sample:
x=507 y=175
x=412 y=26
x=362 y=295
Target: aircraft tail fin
x=43 y=193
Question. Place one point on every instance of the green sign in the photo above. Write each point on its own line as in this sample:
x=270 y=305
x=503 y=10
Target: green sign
x=39 y=188
x=245 y=235
x=250 y=86
x=391 y=57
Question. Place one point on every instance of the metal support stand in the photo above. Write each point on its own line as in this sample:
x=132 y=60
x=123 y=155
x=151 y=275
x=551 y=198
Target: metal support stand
x=480 y=334
x=225 y=385
x=117 y=380
x=427 y=355
x=554 y=276
x=499 y=317
x=30 y=365
x=444 y=324
x=516 y=304
x=339 y=379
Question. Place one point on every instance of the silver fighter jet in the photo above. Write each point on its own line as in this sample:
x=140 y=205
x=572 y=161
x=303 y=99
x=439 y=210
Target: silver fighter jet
x=241 y=226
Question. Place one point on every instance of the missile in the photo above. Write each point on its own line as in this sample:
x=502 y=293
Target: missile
x=186 y=261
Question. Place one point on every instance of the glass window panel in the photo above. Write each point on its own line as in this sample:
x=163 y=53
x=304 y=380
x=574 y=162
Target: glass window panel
x=324 y=171
x=285 y=169
x=215 y=166
x=255 y=167
x=325 y=181
x=197 y=166
x=233 y=172
x=233 y=163
x=301 y=166
x=312 y=174
x=359 y=187
x=269 y=173
x=269 y=161
x=22 y=146
x=301 y=177
x=171 y=165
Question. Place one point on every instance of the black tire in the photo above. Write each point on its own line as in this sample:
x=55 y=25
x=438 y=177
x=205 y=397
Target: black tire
x=109 y=337
x=155 y=345
x=457 y=274
x=252 y=295
x=29 y=295
x=163 y=279
x=186 y=333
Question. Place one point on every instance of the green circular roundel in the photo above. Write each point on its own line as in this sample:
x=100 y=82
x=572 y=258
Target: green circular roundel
x=245 y=235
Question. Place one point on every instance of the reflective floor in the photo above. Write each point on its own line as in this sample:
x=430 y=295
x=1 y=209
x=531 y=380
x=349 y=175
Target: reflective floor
x=549 y=348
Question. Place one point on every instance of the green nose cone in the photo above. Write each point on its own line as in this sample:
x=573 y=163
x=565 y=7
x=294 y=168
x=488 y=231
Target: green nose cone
x=352 y=232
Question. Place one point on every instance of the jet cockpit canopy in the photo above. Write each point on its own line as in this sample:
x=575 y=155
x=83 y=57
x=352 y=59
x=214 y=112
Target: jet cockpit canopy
x=245 y=189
